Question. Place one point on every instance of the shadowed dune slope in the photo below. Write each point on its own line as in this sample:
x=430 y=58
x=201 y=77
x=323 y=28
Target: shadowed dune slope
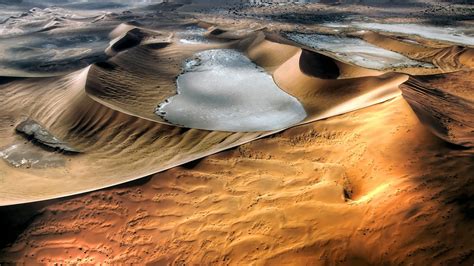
x=446 y=114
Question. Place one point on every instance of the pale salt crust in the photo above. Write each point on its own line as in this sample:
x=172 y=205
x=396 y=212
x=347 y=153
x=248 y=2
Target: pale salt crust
x=356 y=51
x=457 y=35
x=192 y=35
x=221 y=89
x=42 y=135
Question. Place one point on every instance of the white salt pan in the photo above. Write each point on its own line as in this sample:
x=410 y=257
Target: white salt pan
x=356 y=51
x=450 y=34
x=192 y=35
x=222 y=89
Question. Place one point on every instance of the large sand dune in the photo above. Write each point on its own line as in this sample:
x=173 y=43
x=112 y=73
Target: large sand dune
x=249 y=141
x=107 y=111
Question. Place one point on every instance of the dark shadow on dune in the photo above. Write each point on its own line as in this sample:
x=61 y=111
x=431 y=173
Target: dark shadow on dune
x=318 y=65
x=217 y=32
x=106 y=65
x=465 y=201
x=6 y=80
x=156 y=46
x=131 y=39
x=192 y=164
x=15 y=219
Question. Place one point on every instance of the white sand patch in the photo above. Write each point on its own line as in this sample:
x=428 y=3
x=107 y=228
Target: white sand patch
x=222 y=89
x=356 y=51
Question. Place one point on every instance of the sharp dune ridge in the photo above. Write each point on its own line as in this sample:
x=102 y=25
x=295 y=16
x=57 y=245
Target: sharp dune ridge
x=378 y=172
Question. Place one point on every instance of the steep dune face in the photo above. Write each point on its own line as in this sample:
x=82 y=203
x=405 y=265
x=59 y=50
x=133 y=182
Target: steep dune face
x=325 y=97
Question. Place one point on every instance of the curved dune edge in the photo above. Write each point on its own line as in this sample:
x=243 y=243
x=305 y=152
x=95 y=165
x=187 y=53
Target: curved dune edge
x=121 y=145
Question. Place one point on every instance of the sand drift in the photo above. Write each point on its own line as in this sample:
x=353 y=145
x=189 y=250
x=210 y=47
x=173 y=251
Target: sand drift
x=223 y=90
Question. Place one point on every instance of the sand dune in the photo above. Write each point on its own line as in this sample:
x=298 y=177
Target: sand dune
x=377 y=171
x=298 y=197
x=107 y=118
